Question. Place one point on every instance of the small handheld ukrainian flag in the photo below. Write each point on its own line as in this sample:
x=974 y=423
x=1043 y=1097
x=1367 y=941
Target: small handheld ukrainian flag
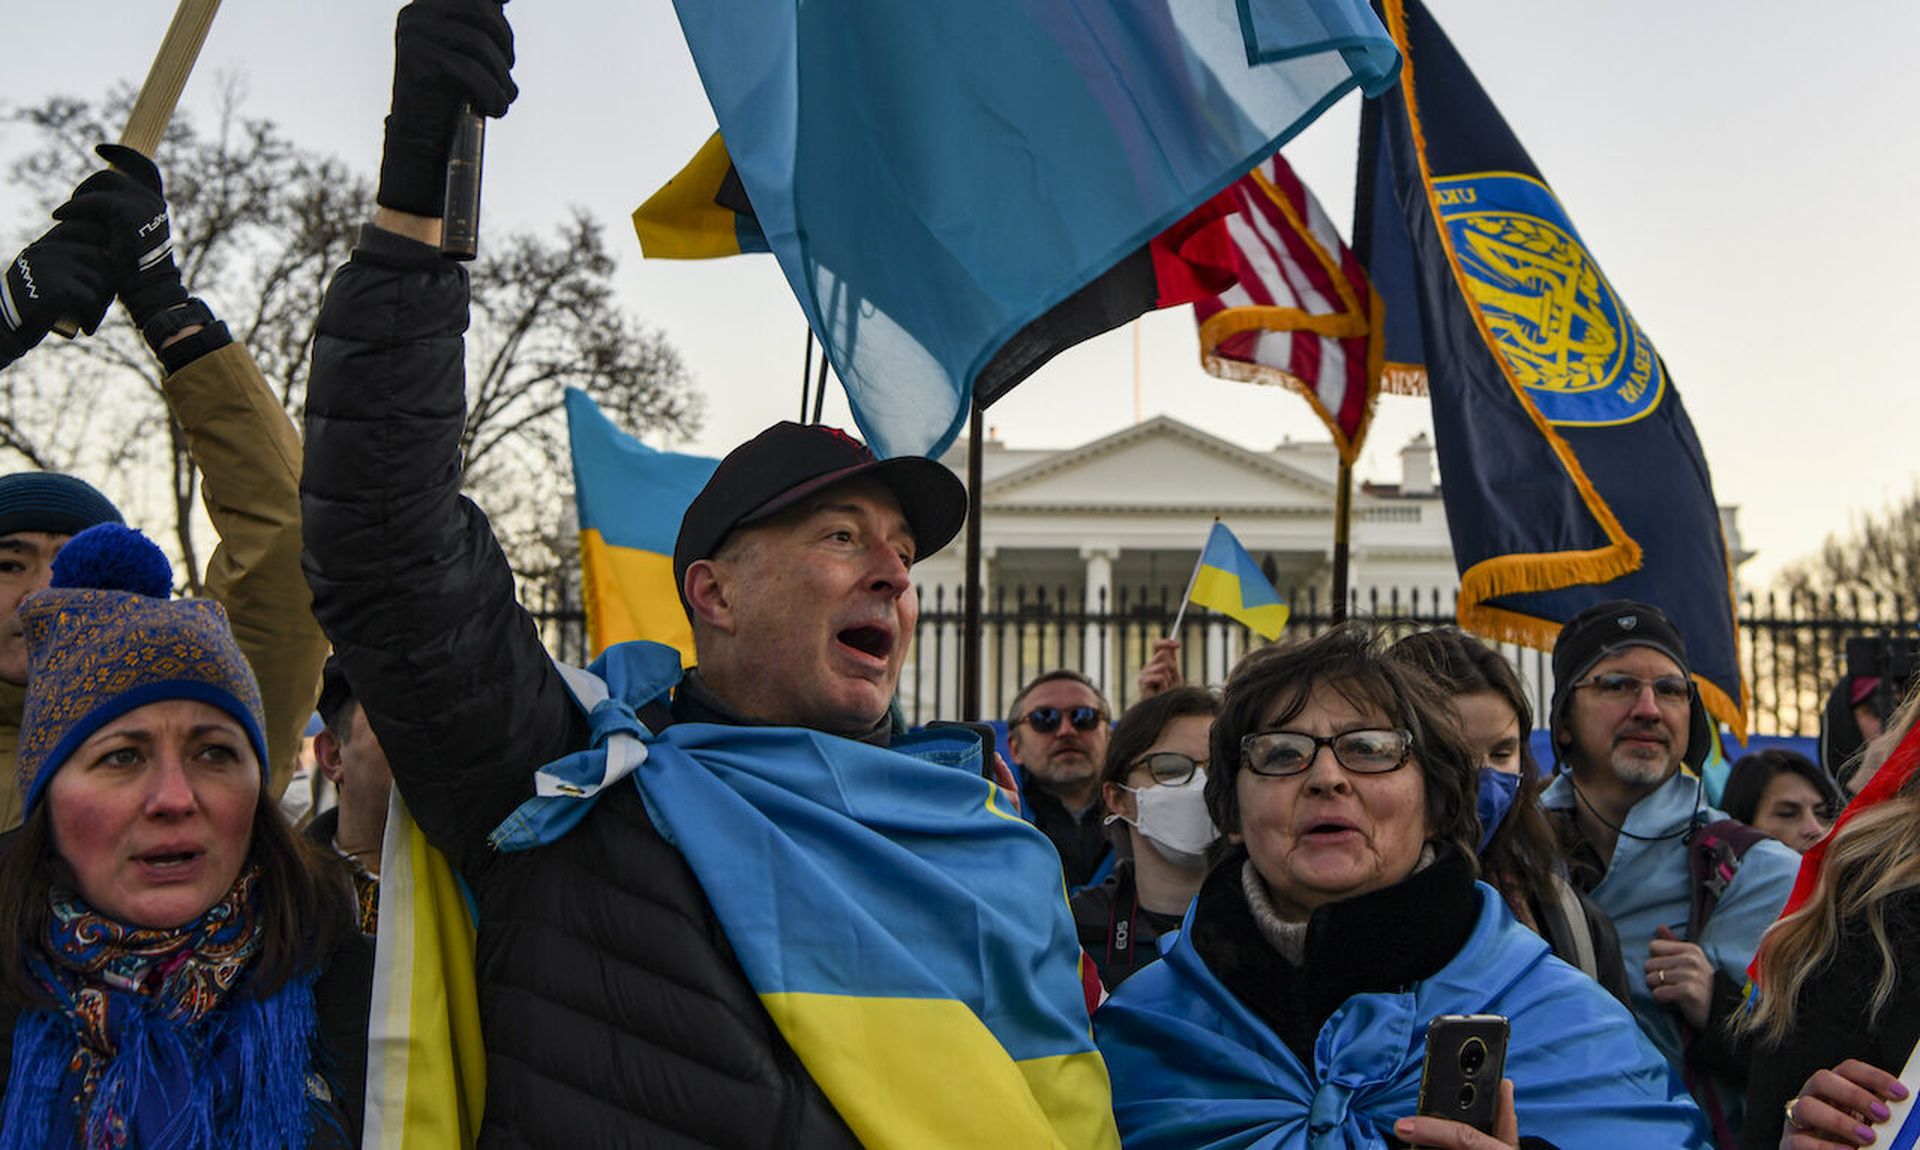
x=1229 y=581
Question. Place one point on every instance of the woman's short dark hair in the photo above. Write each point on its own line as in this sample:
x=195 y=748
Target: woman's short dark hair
x=1525 y=853
x=1143 y=722
x=306 y=900
x=1351 y=660
x=1137 y=730
x=1748 y=778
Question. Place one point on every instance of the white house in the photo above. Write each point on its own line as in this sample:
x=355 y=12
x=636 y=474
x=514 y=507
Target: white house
x=1120 y=520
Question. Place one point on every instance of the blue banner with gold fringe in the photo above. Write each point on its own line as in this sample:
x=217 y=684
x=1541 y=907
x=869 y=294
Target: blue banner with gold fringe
x=1570 y=471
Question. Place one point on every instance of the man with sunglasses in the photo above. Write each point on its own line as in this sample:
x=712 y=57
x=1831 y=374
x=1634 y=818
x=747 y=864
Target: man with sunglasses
x=1057 y=736
x=1625 y=720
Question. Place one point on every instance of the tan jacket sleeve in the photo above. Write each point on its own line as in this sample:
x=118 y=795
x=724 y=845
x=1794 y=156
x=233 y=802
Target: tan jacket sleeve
x=249 y=458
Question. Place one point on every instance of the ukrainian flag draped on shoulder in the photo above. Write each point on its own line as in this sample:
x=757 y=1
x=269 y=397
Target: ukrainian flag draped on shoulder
x=630 y=499
x=933 y=177
x=907 y=932
x=1570 y=470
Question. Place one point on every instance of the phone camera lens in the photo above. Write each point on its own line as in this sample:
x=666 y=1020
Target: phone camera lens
x=1466 y=1096
x=1473 y=1055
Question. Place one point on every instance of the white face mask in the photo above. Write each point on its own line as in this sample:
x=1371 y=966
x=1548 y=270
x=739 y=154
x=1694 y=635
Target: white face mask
x=1174 y=820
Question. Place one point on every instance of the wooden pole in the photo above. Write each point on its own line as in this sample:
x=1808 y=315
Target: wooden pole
x=160 y=94
x=172 y=64
x=970 y=613
x=1342 y=520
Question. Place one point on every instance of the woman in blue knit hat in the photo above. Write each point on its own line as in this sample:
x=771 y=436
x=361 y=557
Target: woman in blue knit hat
x=188 y=972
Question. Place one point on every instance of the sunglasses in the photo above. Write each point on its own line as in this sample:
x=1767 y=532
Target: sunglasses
x=1046 y=720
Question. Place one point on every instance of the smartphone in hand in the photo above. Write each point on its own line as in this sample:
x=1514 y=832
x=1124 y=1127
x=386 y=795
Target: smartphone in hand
x=1466 y=1058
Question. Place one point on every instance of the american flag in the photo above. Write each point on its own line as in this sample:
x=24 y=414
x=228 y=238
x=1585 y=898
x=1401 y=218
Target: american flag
x=1299 y=312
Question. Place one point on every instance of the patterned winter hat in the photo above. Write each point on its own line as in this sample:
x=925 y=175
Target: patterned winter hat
x=95 y=654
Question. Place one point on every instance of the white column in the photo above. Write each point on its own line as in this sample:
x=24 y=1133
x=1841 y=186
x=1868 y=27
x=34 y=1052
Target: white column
x=1098 y=664
x=1219 y=657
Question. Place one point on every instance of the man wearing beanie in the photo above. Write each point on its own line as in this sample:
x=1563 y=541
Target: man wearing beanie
x=600 y=817
x=114 y=234
x=1630 y=733
x=39 y=512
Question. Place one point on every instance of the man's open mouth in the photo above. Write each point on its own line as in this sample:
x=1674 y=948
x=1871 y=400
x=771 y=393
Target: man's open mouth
x=876 y=642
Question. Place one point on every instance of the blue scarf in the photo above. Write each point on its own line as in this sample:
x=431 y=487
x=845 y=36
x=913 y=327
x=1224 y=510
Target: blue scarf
x=148 y=1045
x=1193 y=1066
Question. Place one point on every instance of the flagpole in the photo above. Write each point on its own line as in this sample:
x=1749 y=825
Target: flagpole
x=806 y=369
x=1342 y=520
x=1136 y=373
x=970 y=612
x=1173 y=632
x=819 y=387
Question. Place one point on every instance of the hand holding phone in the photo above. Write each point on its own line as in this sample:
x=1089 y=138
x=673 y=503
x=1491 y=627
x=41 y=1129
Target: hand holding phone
x=1460 y=1078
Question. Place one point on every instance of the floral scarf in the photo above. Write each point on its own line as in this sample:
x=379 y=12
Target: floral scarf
x=149 y=1045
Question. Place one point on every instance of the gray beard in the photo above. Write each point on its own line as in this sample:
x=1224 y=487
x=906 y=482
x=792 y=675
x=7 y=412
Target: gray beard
x=1634 y=771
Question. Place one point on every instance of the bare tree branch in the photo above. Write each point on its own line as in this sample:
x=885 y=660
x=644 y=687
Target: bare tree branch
x=260 y=223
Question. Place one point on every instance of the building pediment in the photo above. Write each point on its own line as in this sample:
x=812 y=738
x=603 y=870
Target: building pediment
x=1163 y=463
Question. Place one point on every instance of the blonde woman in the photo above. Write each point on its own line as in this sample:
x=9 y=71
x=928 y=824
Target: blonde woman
x=1839 y=1009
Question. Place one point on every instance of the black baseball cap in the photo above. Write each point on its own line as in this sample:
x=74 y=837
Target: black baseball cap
x=790 y=461
x=1606 y=629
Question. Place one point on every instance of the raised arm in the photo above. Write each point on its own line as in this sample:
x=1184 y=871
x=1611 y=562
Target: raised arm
x=237 y=434
x=408 y=581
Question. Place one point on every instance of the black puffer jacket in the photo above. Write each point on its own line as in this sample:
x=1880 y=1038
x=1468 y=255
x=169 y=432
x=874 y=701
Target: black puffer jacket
x=613 y=1009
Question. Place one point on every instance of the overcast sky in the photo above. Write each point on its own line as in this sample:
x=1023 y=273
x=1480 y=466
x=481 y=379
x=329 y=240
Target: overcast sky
x=1744 y=172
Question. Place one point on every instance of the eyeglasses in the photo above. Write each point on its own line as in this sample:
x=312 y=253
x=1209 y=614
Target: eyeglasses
x=1277 y=754
x=1168 y=768
x=1046 y=720
x=1619 y=687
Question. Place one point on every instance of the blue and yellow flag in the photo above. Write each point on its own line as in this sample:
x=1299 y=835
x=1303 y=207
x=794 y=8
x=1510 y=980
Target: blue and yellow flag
x=905 y=929
x=1230 y=582
x=1570 y=470
x=701 y=213
x=630 y=499
x=934 y=177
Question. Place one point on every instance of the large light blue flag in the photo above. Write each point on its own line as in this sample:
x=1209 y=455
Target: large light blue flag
x=935 y=175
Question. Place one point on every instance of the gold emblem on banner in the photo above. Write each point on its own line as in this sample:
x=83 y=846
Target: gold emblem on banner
x=1549 y=308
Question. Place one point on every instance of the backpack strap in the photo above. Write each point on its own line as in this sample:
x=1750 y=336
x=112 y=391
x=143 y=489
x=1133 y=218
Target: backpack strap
x=1579 y=934
x=1713 y=858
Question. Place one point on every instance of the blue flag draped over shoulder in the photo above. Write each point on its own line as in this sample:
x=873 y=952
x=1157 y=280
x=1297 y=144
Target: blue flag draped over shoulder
x=1570 y=470
x=907 y=932
x=933 y=177
x=1193 y=1066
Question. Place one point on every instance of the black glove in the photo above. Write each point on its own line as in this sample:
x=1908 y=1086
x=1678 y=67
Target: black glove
x=65 y=274
x=125 y=201
x=445 y=53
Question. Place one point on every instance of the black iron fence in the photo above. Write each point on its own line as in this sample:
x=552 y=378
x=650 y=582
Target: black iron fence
x=1791 y=646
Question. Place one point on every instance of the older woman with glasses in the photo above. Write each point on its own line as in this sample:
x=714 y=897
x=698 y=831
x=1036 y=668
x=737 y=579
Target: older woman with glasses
x=1292 y=1009
x=1154 y=784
